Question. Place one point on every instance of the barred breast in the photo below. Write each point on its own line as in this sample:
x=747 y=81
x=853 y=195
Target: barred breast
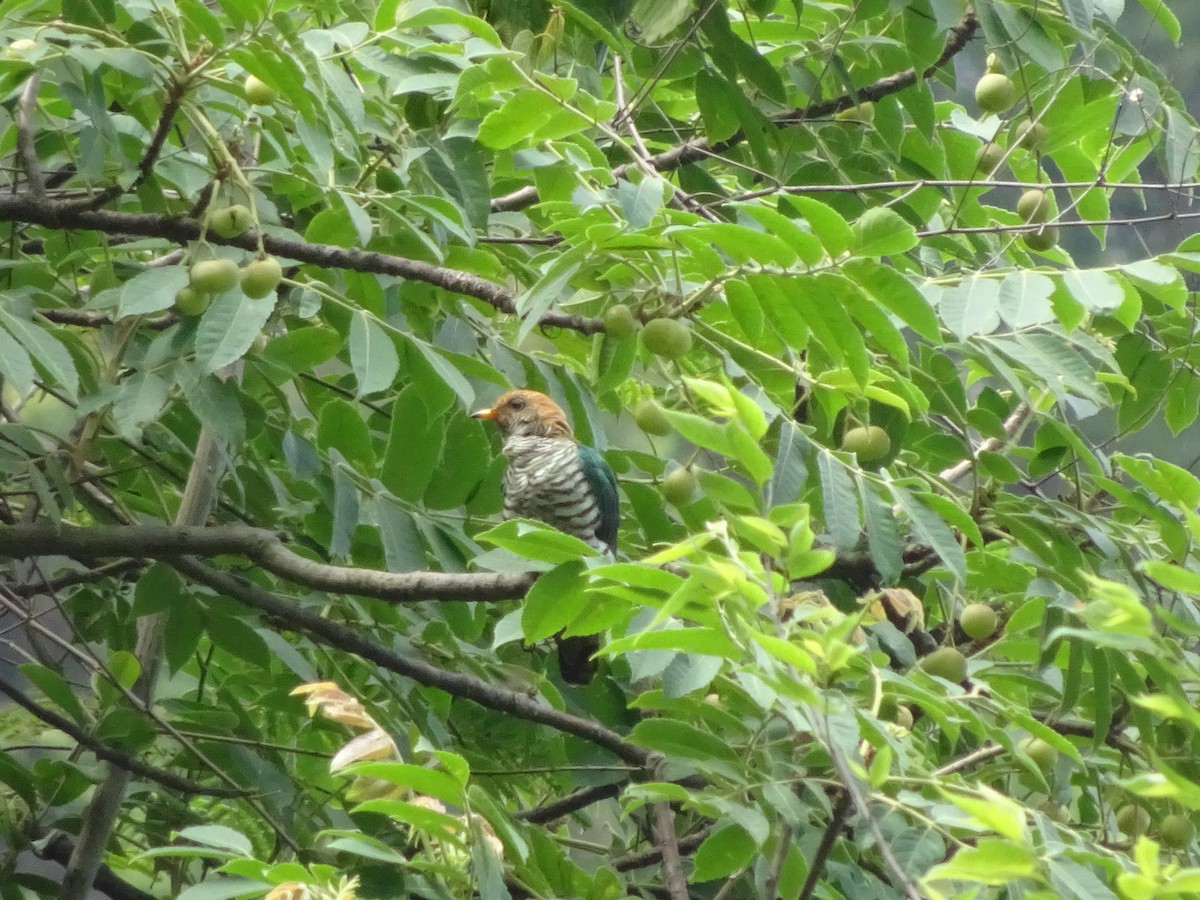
x=545 y=481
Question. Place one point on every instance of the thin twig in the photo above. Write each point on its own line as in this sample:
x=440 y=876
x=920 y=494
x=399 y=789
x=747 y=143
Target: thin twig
x=693 y=151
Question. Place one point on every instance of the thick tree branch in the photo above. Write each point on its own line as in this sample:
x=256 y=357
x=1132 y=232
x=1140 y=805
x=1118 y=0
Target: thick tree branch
x=693 y=151
x=119 y=758
x=26 y=208
x=59 y=849
x=170 y=543
x=465 y=686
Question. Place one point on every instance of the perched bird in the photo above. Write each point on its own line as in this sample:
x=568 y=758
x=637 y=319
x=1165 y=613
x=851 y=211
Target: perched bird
x=553 y=478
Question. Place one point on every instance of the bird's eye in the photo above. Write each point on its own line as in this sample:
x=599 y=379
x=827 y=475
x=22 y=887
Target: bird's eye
x=516 y=403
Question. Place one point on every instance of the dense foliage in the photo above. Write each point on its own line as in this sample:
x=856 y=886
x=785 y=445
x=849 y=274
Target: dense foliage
x=899 y=610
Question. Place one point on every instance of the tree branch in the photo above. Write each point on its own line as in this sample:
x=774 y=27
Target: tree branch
x=693 y=151
x=59 y=849
x=26 y=208
x=564 y=806
x=119 y=758
x=26 y=149
x=262 y=547
x=816 y=865
x=663 y=827
x=454 y=683
x=654 y=856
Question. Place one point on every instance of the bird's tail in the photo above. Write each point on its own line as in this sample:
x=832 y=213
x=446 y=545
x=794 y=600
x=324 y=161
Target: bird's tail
x=575 y=657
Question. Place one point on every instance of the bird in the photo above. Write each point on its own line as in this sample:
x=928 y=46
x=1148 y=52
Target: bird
x=553 y=478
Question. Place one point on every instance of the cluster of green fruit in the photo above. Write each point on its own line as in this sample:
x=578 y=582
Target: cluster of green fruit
x=215 y=276
x=668 y=338
x=996 y=93
x=978 y=622
x=1176 y=831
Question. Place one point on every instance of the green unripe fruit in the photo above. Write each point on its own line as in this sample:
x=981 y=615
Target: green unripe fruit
x=978 y=621
x=259 y=92
x=903 y=717
x=995 y=93
x=988 y=158
x=1132 y=820
x=387 y=180
x=1044 y=755
x=864 y=113
x=679 y=486
x=667 y=338
x=19 y=48
x=946 y=662
x=1034 y=206
x=229 y=221
x=651 y=418
x=994 y=65
x=1045 y=239
x=190 y=302
x=213 y=276
x=261 y=277
x=869 y=443
x=1176 y=832
x=1032 y=136
x=619 y=321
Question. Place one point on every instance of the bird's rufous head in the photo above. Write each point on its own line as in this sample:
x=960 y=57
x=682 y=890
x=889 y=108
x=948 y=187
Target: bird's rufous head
x=525 y=413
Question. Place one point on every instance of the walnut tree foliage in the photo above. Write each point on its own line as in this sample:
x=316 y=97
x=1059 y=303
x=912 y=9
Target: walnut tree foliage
x=208 y=502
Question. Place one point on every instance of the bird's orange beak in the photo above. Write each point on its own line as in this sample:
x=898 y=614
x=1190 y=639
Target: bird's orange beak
x=489 y=414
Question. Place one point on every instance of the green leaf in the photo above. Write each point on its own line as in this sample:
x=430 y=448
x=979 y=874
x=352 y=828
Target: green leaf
x=56 y=689
x=839 y=501
x=971 y=307
x=151 y=290
x=932 y=530
x=678 y=739
x=139 y=402
x=554 y=601
x=883 y=534
x=1025 y=299
x=15 y=364
x=422 y=780
x=897 y=295
x=228 y=327
x=832 y=230
x=725 y=851
x=534 y=540
x=47 y=352
x=992 y=810
x=534 y=303
x=414 y=444
x=372 y=354
x=219 y=837
x=989 y=862
x=882 y=232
